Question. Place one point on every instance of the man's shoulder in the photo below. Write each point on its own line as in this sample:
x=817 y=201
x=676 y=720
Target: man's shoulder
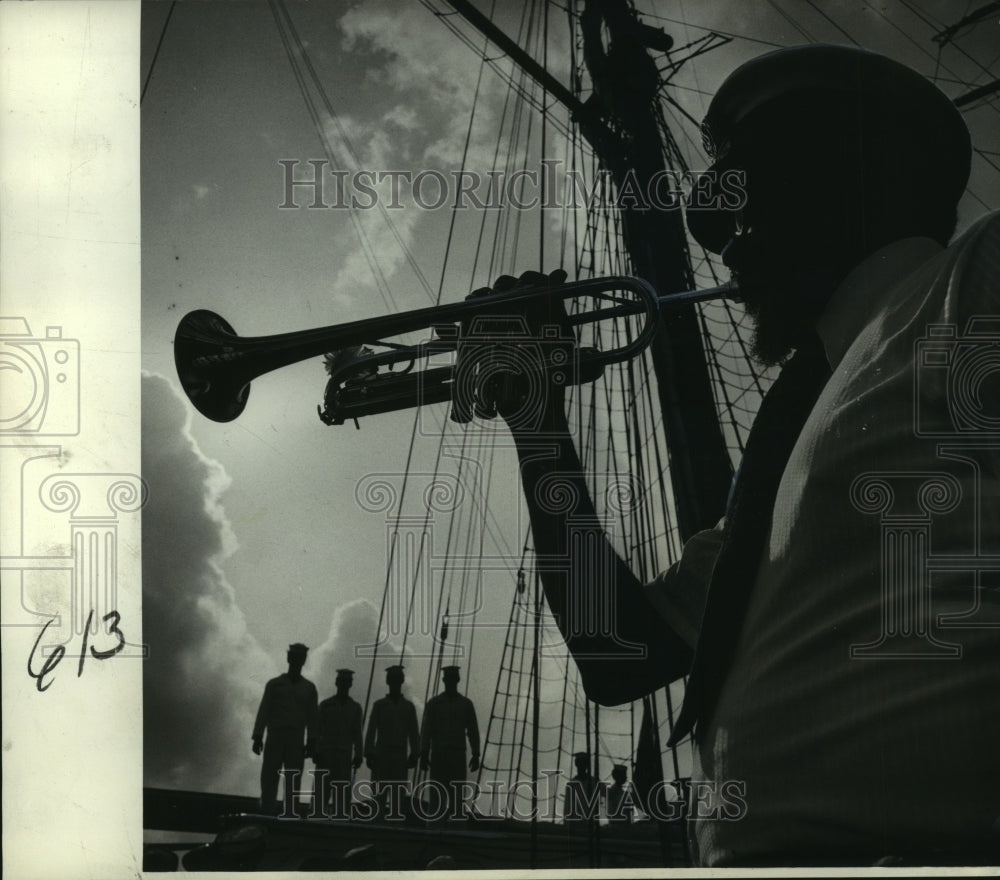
x=972 y=270
x=984 y=232
x=346 y=703
x=389 y=702
x=987 y=224
x=402 y=702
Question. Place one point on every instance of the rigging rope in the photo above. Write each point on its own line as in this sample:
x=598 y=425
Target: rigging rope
x=328 y=106
x=294 y=51
x=925 y=18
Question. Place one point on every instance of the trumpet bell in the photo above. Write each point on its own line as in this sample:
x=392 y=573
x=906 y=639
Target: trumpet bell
x=201 y=340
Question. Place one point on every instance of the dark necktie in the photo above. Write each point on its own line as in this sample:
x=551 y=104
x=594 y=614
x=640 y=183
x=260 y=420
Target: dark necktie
x=783 y=411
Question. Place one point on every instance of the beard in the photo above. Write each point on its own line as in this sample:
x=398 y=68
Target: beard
x=784 y=302
x=779 y=322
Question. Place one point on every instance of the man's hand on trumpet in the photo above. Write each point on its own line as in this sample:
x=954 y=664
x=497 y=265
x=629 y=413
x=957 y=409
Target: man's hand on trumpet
x=517 y=365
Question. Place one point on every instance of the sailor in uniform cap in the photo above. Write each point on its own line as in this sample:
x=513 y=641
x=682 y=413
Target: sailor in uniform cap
x=339 y=743
x=449 y=718
x=287 y=712
x=580 y=800
x=392 y=740
x=619 y=810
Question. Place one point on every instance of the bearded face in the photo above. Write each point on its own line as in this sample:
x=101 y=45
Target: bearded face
x=784 y=296
x=793 y=242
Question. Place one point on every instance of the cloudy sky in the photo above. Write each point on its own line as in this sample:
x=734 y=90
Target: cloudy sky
x=272 y=528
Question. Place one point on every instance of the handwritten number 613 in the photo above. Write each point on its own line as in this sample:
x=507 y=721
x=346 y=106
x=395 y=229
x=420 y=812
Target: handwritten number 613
x=112 y=618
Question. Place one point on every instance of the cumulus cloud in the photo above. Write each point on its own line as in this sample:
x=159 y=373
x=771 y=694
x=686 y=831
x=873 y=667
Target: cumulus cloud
x=423 y=129
x=428 y=74
x=348 y=646
x=205 y=671
x=385 y=232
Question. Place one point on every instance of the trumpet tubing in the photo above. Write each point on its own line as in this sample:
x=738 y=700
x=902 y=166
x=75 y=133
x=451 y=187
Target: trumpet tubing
x=216 y=366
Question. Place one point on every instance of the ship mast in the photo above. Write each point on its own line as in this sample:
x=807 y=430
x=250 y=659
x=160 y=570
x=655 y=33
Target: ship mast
x=620 y=123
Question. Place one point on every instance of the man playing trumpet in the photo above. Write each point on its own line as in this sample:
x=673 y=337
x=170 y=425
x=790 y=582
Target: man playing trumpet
x=824 y=682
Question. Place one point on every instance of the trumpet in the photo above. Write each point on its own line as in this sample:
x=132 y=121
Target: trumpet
x=216 y=366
